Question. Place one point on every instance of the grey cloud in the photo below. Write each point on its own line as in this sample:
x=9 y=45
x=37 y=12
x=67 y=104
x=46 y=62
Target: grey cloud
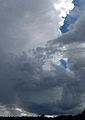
x=76 y=34
x=25 y=24
x=31 y=88
x=72 y=100
x=50 y=92
x=53 y=92
x=25 y=83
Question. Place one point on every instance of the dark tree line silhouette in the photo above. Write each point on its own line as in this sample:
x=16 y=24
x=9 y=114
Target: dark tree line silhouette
x=80 y=116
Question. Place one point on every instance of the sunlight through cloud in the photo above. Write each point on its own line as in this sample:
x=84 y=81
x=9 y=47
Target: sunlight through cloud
x=64 y=7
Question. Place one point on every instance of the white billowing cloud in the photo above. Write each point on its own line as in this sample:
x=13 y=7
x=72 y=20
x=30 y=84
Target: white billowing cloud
x=64 y=7
x=12 y=110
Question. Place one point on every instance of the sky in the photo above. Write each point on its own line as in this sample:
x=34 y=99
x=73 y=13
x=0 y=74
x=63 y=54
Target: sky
x=42 y=57
x=70 y=18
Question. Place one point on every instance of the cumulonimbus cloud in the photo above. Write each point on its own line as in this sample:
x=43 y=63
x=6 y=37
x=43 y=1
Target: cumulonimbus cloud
x=39 y=84
x=52 y=91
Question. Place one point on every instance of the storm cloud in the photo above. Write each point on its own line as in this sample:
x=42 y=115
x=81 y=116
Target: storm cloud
x=51 y=91
x=36 y=81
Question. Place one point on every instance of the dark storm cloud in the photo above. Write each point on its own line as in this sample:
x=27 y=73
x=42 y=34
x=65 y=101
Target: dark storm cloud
x=36 y=90
x=32 y=85
x=59 y=90
x=23 y=80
